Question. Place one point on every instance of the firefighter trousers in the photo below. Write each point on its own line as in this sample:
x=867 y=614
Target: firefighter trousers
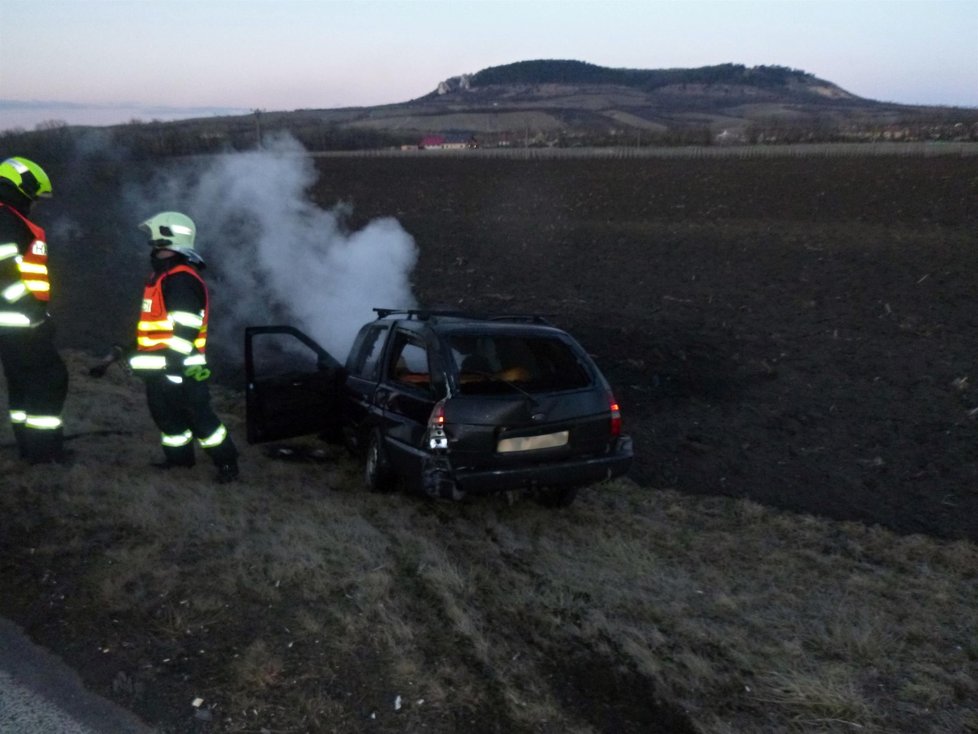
x=37 y=385
x=183 y=412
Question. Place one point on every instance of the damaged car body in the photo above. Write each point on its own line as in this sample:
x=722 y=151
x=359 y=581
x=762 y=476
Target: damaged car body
x=448 y=403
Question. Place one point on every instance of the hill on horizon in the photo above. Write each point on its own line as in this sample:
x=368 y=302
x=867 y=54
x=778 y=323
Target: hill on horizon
x=568 y=103
x=571 y=103
x=570 y=72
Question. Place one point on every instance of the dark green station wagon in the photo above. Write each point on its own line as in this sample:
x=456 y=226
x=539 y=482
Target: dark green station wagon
x=446 y=403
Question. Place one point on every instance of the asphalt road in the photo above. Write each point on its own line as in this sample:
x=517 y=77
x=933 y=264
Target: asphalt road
x=39 y=694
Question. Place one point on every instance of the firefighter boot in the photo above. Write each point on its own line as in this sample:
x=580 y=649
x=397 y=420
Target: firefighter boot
x=44 y=446
x=227 y=472
x=225 y=458
x=177 y=456
x=21 y=438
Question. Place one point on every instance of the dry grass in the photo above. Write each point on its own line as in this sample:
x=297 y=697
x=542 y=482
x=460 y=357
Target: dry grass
x=295 y=601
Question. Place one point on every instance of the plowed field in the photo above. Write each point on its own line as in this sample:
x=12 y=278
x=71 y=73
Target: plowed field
x=800 y=331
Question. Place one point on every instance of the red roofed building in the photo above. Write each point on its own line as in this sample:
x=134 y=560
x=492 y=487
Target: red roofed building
x=447 y=142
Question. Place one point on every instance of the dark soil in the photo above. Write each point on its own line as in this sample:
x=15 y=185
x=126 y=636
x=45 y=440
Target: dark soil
x=797 y=331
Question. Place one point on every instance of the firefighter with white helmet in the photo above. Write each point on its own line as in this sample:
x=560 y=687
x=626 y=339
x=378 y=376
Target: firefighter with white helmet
x=171 y=344
x=37 y=379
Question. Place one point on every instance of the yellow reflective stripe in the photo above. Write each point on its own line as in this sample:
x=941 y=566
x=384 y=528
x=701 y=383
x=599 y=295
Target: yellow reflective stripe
x=165 y=325
x=148 y=341
x=43 y=422
x=37 y=286
x=147 y=362
x=17 y=416
x=179 y=344
x=176 y=379
x=200 y=342
x=215 y=439
x=8 y=250
x=35 y=268
x=185 y=318
x=11 y=318
x=13 y=293
x=178 y=439
x=195 y=359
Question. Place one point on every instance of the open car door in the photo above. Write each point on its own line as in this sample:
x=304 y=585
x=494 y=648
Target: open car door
x=293 y=385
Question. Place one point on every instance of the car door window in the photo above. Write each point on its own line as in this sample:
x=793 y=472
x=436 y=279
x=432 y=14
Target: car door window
x=409 y=363
x=366 y=352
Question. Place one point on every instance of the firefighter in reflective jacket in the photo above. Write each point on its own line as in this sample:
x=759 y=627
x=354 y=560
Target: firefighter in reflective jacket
x=170 y=353
x=37 y=379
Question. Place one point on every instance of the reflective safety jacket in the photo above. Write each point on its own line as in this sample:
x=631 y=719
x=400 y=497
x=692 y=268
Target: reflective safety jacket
x=171 y=339
x=26 y=283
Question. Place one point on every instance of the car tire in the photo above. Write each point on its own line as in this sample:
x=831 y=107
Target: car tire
x=557 y=496
x=377 y=472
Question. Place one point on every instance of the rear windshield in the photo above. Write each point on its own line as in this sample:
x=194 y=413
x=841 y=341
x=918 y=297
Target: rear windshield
x=500 y=364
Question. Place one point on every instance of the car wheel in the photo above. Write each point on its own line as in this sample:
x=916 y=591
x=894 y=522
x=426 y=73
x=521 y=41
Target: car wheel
x=377 y=472
x=557 y=496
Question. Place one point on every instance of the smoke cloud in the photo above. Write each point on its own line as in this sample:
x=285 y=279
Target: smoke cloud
x=273 y=255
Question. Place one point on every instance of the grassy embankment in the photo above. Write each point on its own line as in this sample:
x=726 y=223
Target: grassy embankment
x=295 y=601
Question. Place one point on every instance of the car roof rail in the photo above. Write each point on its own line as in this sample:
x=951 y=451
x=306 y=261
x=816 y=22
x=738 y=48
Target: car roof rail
x=383 y=313
x=531 y=318
x=427 y=314
x=420 y=314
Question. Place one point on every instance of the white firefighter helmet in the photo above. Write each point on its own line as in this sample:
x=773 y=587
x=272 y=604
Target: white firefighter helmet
x=173 y=231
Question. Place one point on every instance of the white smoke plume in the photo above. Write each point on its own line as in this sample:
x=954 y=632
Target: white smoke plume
x=278 y=256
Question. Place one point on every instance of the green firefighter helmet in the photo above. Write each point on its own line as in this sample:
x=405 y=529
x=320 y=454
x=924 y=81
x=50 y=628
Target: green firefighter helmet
x=27 y=177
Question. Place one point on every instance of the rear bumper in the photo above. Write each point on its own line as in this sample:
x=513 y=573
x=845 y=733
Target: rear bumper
x=567 y=473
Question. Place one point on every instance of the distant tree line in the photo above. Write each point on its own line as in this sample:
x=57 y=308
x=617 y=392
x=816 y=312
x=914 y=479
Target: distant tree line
x=581 y=73
x=147 y=140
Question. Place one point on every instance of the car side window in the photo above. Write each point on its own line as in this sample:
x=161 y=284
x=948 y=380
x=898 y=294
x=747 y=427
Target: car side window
x=366 y=352
x=409 y=363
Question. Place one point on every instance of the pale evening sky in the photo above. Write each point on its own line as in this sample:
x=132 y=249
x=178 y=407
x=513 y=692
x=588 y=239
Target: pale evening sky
x=108 y=61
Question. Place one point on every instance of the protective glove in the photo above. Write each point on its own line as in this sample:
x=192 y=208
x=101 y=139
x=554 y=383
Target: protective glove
x=35 y=311
x=174 y=368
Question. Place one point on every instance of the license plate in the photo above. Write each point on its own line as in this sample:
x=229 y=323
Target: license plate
x=532 y=443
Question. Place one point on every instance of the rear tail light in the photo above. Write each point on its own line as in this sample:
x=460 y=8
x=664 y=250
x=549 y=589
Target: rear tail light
x=437 y=440
x=615 y=417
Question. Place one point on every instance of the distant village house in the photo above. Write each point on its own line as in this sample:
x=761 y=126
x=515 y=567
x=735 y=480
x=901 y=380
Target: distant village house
x=447 y=142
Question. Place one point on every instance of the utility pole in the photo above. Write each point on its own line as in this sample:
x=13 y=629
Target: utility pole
x=258 y=129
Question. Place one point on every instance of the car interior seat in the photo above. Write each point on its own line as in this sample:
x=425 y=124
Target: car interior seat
x=476 y=363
